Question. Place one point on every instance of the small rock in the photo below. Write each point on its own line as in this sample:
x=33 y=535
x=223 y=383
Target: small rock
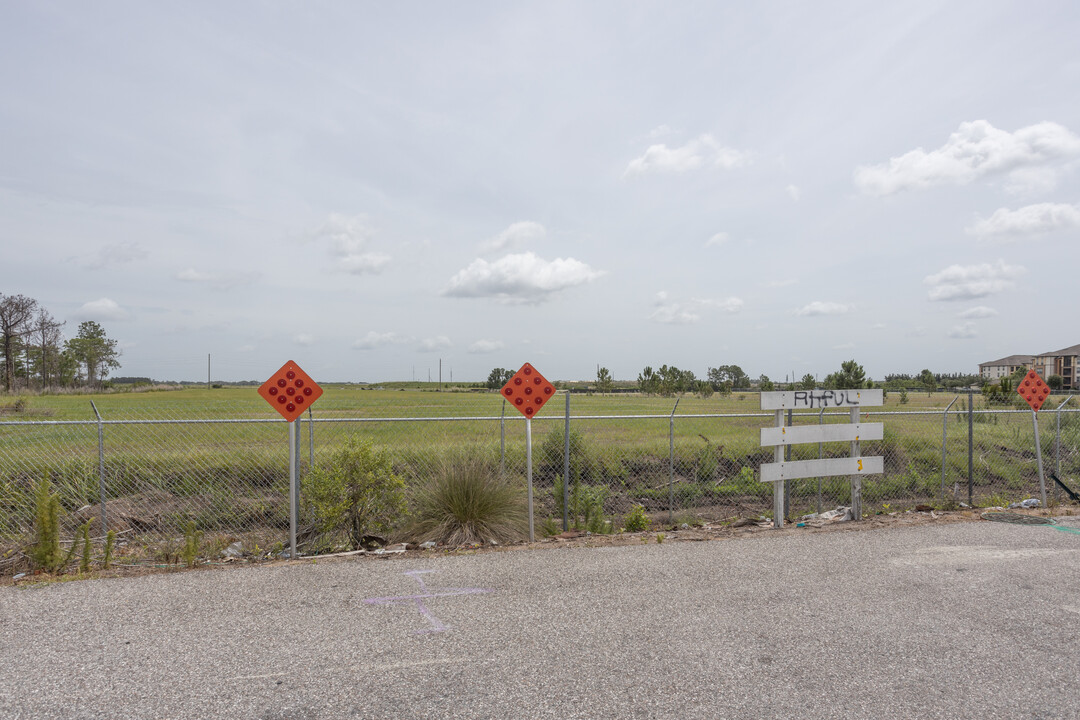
x=428 y=545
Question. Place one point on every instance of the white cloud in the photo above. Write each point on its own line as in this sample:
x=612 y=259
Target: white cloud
x=975 y=150
x=717 y=240
x=303 y=339
x=375 y=340
x=670 y=312
x=967 y=282
x=1028 y=220
x=519 y=278
x=101 y=309
x=516 y=236
x=794 y=192
x=729 y=305
x=963 y=332
x=700 y=152
x=824 y=308
x=115 y=254
x=979 y=313
x=347 y=239
x=781 y=283
x=659 y=132
x=217 y=281
x=434 y=344
x=482 y=347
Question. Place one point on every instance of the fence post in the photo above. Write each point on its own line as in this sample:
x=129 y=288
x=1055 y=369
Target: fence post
x=502 y=440
x=944 y=425
x=820 y=421
x=101 y=468
x=1057 y=447
x=971 y=446
x=671 y=464
x=787 y=486
x=311 y=439
x=566 y=468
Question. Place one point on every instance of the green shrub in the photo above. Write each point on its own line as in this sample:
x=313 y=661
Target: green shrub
x=355 y=494
x=110 y=541
x=636 y=520
x=190 y=552
x=45 y=553
x=84 y=562
x=466 y=501
x=586 y=505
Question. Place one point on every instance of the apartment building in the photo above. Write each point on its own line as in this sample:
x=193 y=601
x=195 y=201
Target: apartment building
x=1006 y=366
x=1064 y=362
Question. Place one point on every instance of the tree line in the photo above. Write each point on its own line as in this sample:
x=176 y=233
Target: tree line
x=36 y=354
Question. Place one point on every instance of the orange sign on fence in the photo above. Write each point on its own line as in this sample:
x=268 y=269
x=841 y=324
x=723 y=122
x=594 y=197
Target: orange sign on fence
x=290 y=391
x=528 y=391
x=1034 y=390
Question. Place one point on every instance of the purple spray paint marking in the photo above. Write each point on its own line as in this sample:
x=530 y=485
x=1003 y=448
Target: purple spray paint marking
x=437 y=625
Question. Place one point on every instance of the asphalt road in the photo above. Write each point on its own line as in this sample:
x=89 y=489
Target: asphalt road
x=975 y=620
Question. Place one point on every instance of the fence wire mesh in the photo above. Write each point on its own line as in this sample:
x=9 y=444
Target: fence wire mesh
x=152 y=472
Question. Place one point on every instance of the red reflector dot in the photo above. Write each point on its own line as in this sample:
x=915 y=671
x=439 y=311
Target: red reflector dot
x=299 y=383
x=538 y=401
x=527 y=371
x=518 y=401
x=290 y=374
x=299 y=399
x=529 y=411
x=290 y=407
x=536 y=381
x=282 y=399
x=290 y=391
x=547 y=391
x=528 y=391
x=307 y=391
x=281 y=382
x=272 y=391
x=508 y=392
x=517 y=381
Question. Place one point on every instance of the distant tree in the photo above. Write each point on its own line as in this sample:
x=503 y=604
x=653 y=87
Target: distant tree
x=603 y=380
x=1056 y=382
x=704 y=389
x=808 y=382
x=851 y=376
x=95 y=351
x=16 y=318
x=46 y=334
x=648 y=382
x=498 y=377
x=765 y=384
x=731 y=375
x=928 y=381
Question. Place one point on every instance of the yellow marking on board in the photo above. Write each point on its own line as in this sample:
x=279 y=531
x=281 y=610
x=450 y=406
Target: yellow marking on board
x=860 y=466
x=856 y=438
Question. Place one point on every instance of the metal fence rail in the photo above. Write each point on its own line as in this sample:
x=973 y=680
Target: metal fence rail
x=151 y=476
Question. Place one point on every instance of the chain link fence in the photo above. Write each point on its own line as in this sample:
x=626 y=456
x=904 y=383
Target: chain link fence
x=148 y=475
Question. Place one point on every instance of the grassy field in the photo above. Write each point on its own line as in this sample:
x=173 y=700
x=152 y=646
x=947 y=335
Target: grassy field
x=219 y=456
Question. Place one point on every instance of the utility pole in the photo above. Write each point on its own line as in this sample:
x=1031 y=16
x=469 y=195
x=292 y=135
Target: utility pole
x=440 y=373
x=207 y=371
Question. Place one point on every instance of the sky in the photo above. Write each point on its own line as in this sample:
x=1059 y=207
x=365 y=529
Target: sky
x=369 y=188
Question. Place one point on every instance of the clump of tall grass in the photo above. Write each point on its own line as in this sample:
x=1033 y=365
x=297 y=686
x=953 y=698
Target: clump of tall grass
x=466 y=501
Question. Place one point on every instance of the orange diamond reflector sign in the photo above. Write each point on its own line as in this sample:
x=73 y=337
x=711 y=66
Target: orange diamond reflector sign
x=290 y=391
x=1033 y=390
x=527 y=391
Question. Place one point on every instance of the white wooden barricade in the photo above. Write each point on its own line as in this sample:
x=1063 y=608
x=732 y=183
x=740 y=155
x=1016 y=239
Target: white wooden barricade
x=781 y=436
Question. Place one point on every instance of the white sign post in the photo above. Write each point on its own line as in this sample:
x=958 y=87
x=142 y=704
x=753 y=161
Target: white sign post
x=782 y=436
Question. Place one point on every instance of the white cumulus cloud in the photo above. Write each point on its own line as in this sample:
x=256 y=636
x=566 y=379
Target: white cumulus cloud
x=101 y=309
x=975 y=150
x=968 y=282
x=376 y=340
x=1028 y=220
x=482 y=347
x=671 y=312
x=717 y=240
x=702 y=151
x=347 y=239
x=519 y=278
x=980 y=312
x=965 y=331
x=515 y=237
x=819 y=307
x=434 y=344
